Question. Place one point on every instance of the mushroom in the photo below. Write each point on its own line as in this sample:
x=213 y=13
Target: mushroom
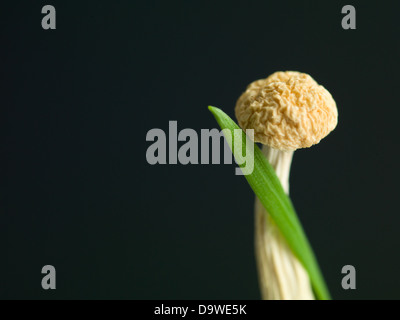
x=287 y=111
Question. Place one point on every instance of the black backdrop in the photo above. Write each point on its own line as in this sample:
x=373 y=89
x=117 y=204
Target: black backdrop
x=77 y=103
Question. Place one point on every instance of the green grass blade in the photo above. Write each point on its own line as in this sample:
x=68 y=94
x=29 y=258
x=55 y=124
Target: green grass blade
x=268 y=189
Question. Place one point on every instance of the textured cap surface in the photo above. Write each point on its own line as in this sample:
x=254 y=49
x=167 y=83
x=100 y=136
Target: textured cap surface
x=288 y=110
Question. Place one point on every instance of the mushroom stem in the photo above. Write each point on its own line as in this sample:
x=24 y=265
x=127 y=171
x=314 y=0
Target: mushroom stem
x=281 y=275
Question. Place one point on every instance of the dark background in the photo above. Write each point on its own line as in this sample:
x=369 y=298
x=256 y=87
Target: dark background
x=77 y=103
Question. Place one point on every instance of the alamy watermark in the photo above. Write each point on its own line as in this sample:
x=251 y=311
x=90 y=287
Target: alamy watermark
x=161 y=152
x=349 y=20
x=49 y=280
x=349 y=280
x=49 y=20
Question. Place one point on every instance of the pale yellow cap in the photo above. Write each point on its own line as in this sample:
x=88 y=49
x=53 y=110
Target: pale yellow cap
x=288 y=110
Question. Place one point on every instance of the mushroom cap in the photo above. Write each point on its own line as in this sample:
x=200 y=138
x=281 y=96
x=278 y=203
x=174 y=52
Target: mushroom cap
x=288 y=110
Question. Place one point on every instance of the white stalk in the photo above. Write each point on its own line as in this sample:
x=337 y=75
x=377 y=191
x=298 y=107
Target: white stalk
x=281 y=275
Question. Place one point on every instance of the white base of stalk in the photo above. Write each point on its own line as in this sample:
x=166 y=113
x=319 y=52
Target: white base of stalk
x=281 y=275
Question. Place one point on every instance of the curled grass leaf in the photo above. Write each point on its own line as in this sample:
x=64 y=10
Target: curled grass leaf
x=268 y=189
